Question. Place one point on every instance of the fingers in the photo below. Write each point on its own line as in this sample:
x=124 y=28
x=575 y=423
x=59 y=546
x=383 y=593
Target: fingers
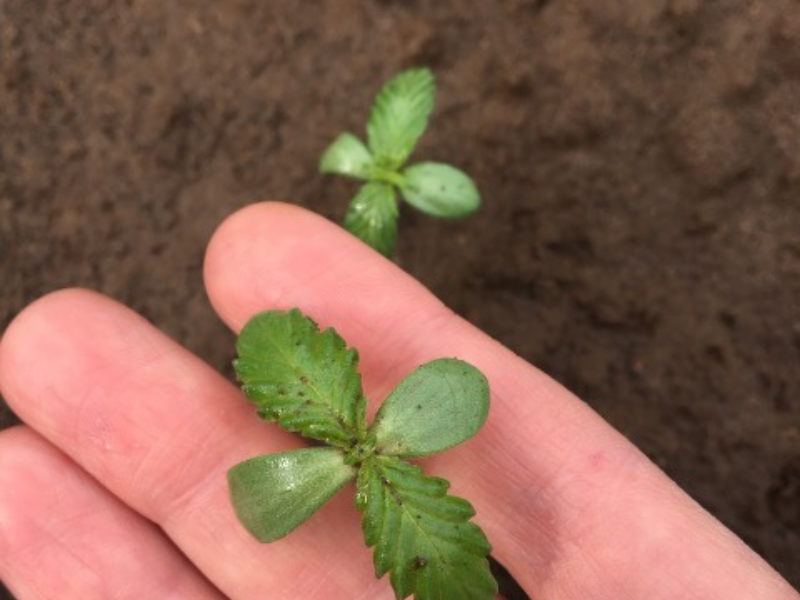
x=63 y=536
x=572 y=509
x=158 y=429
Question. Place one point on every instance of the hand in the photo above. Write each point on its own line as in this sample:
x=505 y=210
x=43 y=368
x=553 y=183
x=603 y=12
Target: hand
x=116 y=485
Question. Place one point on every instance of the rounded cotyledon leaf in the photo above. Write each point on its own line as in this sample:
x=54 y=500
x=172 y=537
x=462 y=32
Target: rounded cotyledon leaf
x=438 y=405
x=347 y=156
x=275 y=493
x=440 y=190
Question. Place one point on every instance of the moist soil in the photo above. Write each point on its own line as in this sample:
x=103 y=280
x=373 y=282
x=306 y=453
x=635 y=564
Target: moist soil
x=639 y=162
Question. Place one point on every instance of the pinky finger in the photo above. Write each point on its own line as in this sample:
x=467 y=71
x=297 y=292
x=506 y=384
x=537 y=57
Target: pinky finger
x=64 y=536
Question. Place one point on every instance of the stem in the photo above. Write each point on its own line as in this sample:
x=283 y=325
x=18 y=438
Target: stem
x=388 y=176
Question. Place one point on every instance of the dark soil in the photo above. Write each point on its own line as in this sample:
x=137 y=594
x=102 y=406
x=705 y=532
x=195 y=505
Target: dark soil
x=639 y=161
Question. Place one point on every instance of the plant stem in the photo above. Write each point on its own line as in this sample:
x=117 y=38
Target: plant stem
x=388 y=176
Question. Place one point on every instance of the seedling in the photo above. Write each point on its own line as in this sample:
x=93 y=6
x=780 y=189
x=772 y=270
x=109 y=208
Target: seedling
x=398 y=118
x=306 y=380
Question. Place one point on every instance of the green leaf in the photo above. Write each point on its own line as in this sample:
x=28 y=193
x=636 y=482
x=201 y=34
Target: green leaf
x=303 y=379
x=440 y=190
x=372 y=216
x=438 y=405
x=422 y=536
x=347 y=156
x=399 y=116
x=275 y=493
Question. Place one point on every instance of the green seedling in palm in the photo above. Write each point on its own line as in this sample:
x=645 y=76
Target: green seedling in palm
x=306 y=380
x=397 y=120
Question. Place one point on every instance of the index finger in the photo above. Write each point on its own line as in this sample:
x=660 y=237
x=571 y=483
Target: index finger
x=572 y=509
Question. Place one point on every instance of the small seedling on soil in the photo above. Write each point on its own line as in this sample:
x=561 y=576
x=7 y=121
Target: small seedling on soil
x=306 y=380
x=398 y=118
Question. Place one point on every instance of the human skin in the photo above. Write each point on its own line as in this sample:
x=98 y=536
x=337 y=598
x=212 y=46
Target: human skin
x=115 y=486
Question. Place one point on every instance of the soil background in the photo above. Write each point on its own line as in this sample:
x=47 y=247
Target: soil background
x=639 y=162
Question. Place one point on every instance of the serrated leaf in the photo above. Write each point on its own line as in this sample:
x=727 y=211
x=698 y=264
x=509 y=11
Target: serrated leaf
x=347 y=156
x=422 y=536
x=372 y=216
x=399 y=116
x=275 y=493
x=302 y=378
x=436 y=406
x=440 y=190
